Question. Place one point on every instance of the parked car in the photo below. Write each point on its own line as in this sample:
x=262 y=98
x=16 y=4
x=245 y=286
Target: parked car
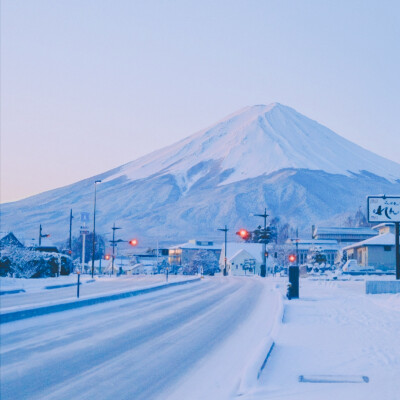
x=353 y=266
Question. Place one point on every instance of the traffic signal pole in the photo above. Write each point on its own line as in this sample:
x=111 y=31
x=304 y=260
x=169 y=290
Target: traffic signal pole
x=225 y=230
x=265 y=215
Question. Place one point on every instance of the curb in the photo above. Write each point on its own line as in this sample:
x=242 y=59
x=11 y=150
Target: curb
x=257 y=364
x=3 y=292
x=34 y=312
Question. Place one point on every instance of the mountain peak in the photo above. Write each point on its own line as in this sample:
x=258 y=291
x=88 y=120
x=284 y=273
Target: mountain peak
x=258 y=140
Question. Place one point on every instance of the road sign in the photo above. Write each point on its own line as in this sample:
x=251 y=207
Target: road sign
x=84 y=217
x=383 y=208
x=84 y=230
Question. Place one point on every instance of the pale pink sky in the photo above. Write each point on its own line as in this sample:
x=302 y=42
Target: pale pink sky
x=89 y=85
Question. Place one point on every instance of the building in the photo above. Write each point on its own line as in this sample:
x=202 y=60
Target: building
x=244 y=258
x=378 y=251
x=181 y=254
x=10 y=240
x=343 y=235
x=305 y=247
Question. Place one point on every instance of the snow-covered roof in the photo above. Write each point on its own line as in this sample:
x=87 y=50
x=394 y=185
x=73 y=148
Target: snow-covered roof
x=195 y=246
x=233 y=248
x=382 y=225
x=386 y=239
x=334 y=230
x=306 y=244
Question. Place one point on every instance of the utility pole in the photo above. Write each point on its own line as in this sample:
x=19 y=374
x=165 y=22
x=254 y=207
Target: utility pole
x=41 y=235
x=265 y=215
x=94 y=226
x=70 y=231
x=113 y=244
x=297 y=246
x=225 y=230
x=157 y=256
x=397 y=250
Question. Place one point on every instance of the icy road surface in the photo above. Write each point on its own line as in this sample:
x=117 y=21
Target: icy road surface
x=36 y=294
x=188 y=342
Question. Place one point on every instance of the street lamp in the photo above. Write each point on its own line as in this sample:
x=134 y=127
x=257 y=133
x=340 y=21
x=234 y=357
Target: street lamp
x=94 y=225
x=224 y=230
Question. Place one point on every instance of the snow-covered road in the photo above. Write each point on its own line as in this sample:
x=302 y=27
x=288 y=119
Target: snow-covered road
x=187 y=342
x=35 y=294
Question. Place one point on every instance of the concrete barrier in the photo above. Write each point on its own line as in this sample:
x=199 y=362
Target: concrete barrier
x=33 y=312
x=378 y=287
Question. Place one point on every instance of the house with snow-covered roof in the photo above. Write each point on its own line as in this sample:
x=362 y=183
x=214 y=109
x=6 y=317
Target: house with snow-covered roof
x=378 y=251
x=328 y=247
x=342 y=234
x=9 y=239
x=243 y=258
x=181 y=254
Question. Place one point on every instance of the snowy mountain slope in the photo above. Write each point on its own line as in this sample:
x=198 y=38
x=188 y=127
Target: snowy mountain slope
x=259 y=140
x=263 y=156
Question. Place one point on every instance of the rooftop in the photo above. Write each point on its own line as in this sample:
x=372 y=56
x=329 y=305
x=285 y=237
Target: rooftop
x=386 y=239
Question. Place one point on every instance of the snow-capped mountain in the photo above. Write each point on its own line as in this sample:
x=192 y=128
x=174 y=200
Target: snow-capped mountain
x=262 y=156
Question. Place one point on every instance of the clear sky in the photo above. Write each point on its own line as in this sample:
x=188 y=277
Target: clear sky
x=87 y=85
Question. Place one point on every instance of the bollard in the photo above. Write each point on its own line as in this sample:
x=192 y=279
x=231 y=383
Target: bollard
x=294 y=274
x=77 y=286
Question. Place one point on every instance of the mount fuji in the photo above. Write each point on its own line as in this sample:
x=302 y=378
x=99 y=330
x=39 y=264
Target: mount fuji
x=261 y=156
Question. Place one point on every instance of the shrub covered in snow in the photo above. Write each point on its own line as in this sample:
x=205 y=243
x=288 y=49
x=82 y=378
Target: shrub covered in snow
x=202 y=259
x=26 y=263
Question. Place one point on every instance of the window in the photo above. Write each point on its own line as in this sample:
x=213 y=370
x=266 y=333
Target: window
x=387 y=248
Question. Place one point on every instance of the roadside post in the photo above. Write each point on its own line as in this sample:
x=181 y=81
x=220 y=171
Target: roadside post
x=293 y=285
x=77 y=285
x=382 y=209
x=84 y=231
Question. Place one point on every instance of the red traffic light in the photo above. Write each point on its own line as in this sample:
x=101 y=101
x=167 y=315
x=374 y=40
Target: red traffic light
x=292 y=258
x=133 y=242
x=243 y=233
x=107 y=257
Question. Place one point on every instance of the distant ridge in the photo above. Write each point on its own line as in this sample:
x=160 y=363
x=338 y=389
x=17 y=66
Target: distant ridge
x=260 y=156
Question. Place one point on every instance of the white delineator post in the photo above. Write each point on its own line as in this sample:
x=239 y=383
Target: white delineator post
x=83 y=252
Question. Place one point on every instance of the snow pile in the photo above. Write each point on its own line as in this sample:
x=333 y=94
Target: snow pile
x=334 y=332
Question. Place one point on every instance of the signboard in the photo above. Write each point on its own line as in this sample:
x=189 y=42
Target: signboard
x=84 y=230
x=84 y=217
x=383 y=208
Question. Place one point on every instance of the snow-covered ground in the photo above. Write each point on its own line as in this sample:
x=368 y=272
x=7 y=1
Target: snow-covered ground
x=335 y=331
x=186 y=342
x=207 y=340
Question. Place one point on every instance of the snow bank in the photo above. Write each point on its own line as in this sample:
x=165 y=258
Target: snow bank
x=260 y=357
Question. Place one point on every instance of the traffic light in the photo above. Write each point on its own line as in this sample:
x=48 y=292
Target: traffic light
x=133 y=242
x=107 y=257
x=292 y=258
x=266 y=254
x=243 y=233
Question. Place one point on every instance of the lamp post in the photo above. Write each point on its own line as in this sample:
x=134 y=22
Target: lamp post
x=70 y=231
x=225 y=230
x=94 y=226
x=265 y=215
